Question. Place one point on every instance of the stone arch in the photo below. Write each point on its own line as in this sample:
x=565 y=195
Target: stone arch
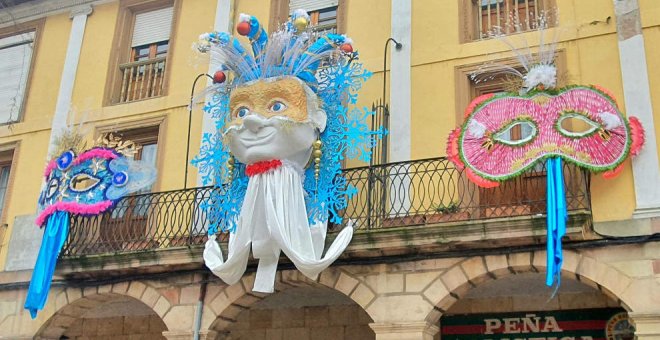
x=73 y=303
x=221 y=309
x=455 y=282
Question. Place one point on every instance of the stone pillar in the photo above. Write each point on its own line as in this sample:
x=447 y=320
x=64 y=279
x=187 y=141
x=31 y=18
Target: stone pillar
x=647 y=325
x=404 y=331
x=79 y=18
x=178 y=335
x=208 y=335
x=187 y=335
x=637 y=96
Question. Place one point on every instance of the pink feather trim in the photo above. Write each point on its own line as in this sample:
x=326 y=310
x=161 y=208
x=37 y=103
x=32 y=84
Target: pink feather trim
x=95 y=153
x=49 y=168
x=74 y=208
x=476 y=102
x=637 y=135
x=452 y=148
x=480 y=181
x=606 y=92
x=613 y=173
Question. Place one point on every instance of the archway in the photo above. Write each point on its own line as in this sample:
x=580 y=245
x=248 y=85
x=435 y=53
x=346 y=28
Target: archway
x=101 y=316
x=505 y=296
x=299 y=309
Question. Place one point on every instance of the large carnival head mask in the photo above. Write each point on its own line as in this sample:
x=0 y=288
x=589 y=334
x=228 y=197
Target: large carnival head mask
x=275 y=118
x=291 y=99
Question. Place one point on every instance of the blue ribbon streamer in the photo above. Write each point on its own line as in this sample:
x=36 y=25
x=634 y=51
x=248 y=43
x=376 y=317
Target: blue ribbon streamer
x=55 y=234
x=556 y=219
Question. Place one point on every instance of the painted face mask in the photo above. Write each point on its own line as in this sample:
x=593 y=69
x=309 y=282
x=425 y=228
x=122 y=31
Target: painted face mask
x=580 y=124
x=276 y=118
x=90 y=183
x=85 y=184
x=506 y=134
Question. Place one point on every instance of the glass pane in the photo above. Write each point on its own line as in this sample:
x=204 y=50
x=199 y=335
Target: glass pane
x=149 y=153
x=162 y=48
x=4 y=180
x=331 y=14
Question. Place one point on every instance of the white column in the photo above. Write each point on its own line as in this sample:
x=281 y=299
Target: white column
x=79 y=18
x=637 y=96
x=400 y=104
x=400 y=82
x=222 y=23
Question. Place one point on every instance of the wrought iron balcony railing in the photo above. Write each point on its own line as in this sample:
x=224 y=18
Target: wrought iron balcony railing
x=429 y=191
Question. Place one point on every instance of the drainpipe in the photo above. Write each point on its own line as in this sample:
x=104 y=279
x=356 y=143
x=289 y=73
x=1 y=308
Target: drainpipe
x=200 y=306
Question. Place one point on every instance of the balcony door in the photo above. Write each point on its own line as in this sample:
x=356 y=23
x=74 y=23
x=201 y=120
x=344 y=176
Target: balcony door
x=130 y=223
x=522 y=196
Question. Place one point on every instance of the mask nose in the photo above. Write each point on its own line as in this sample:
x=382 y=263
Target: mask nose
x=253 y=122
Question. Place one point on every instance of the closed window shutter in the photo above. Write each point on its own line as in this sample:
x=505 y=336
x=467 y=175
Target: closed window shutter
x=15 y=58
x=152 y=27
x=311 y=5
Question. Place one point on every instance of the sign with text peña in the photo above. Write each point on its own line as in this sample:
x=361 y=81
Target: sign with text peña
x=584 y=324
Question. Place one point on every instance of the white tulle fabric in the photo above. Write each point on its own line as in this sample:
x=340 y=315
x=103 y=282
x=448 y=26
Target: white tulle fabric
x=273 y=219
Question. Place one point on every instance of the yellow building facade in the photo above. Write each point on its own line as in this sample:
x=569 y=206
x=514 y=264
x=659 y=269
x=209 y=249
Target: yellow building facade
x=405 y=271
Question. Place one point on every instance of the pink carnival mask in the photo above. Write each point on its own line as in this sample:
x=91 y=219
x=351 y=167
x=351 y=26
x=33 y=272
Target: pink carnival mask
x=486 y=147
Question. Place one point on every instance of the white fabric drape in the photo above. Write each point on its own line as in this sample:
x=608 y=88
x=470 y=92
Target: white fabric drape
x=274 y=218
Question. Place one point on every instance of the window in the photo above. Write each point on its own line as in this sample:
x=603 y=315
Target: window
x=5 y=170
x=323 y=13
x=522 y=196
x=142 y=68
x=325 y=20
x=147 y=139
x=15 y=60
x=134 y=218
x=482 y=17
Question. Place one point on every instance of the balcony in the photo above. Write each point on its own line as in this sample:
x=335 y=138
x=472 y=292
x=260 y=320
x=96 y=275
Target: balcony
x=427 y=198
x=141 y=79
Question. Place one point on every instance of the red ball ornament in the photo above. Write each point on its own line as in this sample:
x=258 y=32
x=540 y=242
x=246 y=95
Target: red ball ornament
x=243 y=28
x=219 y=77
x=346 y=48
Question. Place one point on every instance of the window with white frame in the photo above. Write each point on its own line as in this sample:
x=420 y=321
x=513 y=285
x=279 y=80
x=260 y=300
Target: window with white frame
x=15 y=60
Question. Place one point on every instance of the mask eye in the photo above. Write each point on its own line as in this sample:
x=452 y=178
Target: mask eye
x=277 y=106
x=51 y=187
x=575 y=125
x=65 y=160
x=83 y=182
x=518 y=132
x=242 y=112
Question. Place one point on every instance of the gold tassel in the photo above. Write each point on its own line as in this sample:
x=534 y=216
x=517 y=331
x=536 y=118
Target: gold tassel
x=316 y=155
x=230 y=168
